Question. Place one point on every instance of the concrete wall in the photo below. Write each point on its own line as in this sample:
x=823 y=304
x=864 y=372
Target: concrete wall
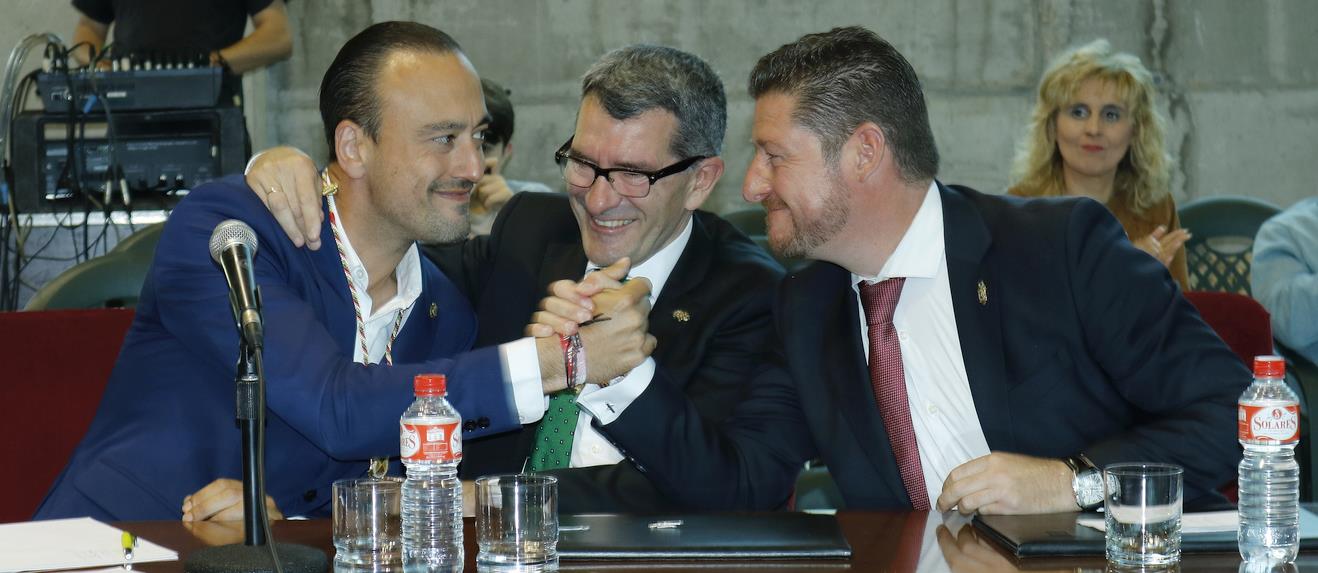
x=1239 y=76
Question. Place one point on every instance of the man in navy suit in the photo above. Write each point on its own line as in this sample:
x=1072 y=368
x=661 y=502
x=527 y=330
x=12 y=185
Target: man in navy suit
x=347 y=328
x=951 y=349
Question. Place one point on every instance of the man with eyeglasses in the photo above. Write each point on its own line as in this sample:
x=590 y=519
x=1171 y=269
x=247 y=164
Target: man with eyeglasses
x=643 y=158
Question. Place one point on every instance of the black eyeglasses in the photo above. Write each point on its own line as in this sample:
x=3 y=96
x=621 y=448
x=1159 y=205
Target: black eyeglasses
x=627 y=182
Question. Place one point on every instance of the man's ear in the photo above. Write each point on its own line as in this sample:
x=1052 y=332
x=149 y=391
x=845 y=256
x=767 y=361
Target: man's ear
x=703 y=183
x=864 y=152
x=352 y=148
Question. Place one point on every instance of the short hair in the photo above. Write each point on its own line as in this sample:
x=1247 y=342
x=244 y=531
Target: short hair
x=1144 y=173
x=500 y=108
x=848 y=76
x=348 y=90
x=635 y=79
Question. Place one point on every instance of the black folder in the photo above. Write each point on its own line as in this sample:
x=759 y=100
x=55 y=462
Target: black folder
x=778 y=535
x=1058 y=534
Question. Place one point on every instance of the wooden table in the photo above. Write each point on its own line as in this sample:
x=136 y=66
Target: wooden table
x=881 y=541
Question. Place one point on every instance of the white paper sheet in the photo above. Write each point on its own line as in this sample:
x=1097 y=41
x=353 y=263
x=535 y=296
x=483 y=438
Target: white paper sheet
x=69 y=544
x=1205 y=522
x=1215 y=522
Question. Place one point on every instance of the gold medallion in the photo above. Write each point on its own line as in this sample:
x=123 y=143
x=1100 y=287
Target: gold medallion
x=434 y=310
x=681 y=315
x=982 y=290
x=378 y=468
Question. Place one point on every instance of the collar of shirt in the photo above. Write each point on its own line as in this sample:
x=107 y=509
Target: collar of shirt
x=920 y=251
x=408 y=274
x=660 y=265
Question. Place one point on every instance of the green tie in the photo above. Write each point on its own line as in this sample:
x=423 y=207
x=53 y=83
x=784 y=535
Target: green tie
x=553 y=439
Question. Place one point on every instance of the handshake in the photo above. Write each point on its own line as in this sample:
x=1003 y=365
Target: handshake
x=594 y=330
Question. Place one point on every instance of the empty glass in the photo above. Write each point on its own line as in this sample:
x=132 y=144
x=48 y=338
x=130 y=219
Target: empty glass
x=1142 y=505
x=517 y=522
x=368 y=524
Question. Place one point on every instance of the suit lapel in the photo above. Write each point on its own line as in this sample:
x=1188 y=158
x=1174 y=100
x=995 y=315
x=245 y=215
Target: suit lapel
x=978 y=314
x=834 y=351
x=687 y=274
x=340 y=316
x=562 y=261
x=418 y=334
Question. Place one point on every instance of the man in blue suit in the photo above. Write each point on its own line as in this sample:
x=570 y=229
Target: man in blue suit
x=950 y=349
x=346 y=328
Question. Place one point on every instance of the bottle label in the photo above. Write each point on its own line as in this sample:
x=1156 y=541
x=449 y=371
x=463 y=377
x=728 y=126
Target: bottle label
x=430 y=442
x=1269 y=424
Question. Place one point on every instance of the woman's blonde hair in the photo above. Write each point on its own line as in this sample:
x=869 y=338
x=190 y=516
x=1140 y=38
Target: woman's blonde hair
x=1143 y=174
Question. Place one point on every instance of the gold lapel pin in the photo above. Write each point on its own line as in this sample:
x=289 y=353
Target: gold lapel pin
x=681 y=315
x=982 y=290
x=434 y=310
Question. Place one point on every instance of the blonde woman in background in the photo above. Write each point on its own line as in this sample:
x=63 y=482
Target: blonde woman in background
x=1097 y=133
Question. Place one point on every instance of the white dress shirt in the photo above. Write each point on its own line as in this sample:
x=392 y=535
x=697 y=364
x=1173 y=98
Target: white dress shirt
x=589 y=447
x=942 y=409
x=379 y=322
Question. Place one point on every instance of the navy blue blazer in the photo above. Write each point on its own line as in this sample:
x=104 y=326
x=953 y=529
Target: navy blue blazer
x=165 y=426
x=1083 y=344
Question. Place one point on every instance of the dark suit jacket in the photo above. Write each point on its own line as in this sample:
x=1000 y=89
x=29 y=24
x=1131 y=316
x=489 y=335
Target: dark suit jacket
x=165 y=426
x=1083 y=344
x=722 y=281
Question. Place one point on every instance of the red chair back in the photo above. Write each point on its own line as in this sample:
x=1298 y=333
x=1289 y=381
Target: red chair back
x=56 y=366
x=1243 y=324
x=1240 y=321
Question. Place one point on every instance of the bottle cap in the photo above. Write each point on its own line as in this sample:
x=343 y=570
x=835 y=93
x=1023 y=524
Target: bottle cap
x=1269 y=367
x=429 y=385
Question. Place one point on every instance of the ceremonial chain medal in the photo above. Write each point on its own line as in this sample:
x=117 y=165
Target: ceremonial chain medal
x=378 y=466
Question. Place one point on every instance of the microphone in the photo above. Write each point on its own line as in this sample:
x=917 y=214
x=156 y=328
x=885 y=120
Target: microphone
x=233 y=244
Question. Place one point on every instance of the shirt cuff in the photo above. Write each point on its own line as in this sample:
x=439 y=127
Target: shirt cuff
x=607 y=404
x=521 y=365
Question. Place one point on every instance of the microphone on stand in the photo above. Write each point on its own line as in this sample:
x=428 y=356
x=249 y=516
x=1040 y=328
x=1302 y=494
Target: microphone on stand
x=232 y=245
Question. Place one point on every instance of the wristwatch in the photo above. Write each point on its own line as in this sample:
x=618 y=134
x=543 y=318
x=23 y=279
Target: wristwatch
x=1087 y=482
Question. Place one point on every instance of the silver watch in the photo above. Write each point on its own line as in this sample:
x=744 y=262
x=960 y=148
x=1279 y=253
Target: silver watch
x=1087 y=483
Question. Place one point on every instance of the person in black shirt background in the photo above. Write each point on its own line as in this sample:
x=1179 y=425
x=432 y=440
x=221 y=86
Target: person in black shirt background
x=171 y=27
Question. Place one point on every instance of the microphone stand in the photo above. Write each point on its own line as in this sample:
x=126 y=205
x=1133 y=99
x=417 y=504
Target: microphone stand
x=257 y=554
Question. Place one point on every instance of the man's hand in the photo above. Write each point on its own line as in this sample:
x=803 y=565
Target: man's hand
x=222 y=500
x=569 y=302
x=491 y=191
x=616 y=338
x=619 y=339
x=287 y=182
x=1003 y=483
x=1163 y=245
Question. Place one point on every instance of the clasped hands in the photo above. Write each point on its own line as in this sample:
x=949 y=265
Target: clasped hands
x=1163 y=245
x=611 y=317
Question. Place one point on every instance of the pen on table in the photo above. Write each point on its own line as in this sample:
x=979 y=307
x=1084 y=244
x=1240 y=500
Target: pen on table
x=669 y=524
x=128 y=541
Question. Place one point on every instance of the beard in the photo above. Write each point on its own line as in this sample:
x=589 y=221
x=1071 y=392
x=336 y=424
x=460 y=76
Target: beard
x=809 y=232
x=444 y=228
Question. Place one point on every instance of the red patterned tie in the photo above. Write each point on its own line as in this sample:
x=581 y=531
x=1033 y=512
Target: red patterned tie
x=889 y=382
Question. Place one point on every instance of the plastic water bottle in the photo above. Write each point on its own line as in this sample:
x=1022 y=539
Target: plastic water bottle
x=1269 y=428
x=430 y=440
